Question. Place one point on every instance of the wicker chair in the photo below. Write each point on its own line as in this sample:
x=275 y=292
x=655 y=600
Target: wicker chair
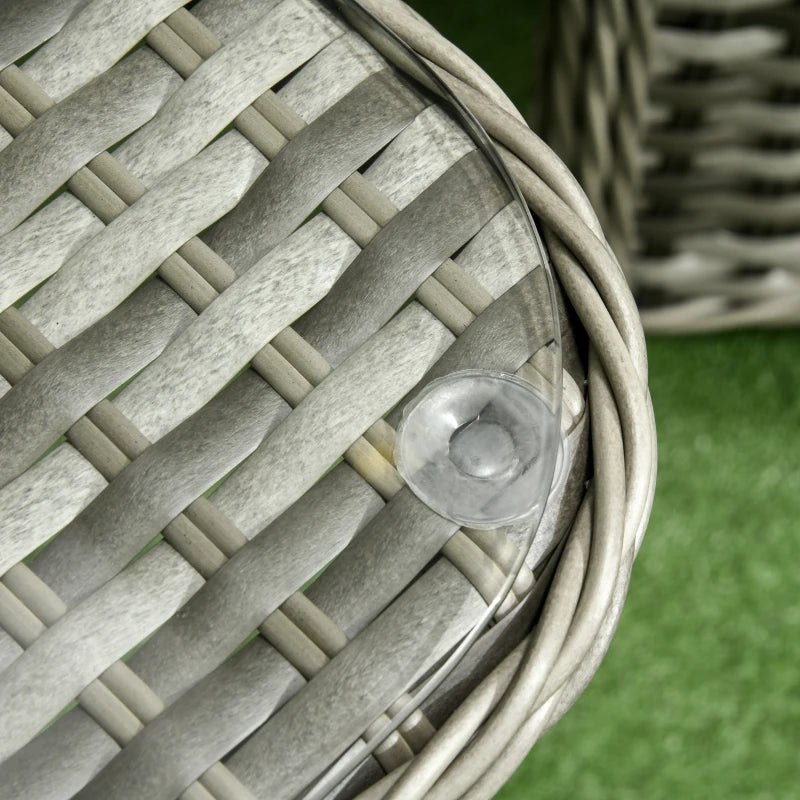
x=683 y=126
x=200 y=356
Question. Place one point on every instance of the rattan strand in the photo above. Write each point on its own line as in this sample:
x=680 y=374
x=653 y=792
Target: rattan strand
x=116 y=440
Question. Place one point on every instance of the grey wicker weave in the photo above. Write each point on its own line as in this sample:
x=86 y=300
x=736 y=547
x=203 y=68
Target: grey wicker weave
x=233 y=239
x=681 y=119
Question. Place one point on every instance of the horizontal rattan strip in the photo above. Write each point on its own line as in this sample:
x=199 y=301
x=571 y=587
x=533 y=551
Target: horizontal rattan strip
x=27 y=24
x=73 y=379
x=65 y=63
x=59 y=143
x=276 y=45
x=318 y=723
x=34 y=250
x=256 y=581
x=331 y=148
x=132 y=246
x=364 y=298
x=361 y=390
x=258 y=306
x=160 y=580
x=157 y=486
x=39 y=770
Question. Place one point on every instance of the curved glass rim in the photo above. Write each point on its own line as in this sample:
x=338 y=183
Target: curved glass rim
x=411 y=65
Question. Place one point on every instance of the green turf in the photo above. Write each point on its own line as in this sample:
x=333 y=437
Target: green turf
x=699 y=696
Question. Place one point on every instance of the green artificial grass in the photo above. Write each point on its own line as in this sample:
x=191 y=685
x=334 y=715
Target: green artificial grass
x=699 y=696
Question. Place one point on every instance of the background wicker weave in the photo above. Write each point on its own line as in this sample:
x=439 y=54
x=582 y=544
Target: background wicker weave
x=684 y=128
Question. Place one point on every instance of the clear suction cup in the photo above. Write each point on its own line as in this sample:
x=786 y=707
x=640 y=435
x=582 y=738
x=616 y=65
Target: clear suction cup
x=476 y=446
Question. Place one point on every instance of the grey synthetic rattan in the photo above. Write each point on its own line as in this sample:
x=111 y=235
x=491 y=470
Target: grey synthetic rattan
x=196 y=409
x=681 y=119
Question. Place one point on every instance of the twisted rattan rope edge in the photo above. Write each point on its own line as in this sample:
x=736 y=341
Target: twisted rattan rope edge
x=624 y=456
